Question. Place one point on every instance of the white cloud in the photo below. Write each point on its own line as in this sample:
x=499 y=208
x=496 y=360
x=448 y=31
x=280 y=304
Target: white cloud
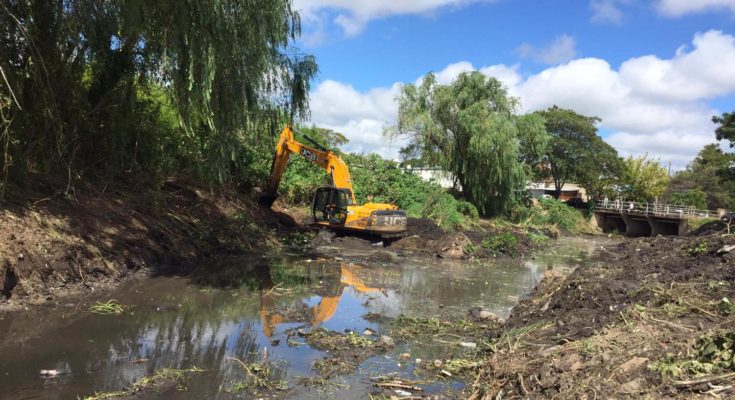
x=607 y=11
x=353 y=15
x=648 y=105
x=678 y=8
x=562 y=49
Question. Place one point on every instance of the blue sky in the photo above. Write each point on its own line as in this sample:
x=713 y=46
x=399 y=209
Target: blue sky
x=654 y=71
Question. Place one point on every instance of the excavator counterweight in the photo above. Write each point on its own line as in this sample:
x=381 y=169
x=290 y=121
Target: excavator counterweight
x=334 y=206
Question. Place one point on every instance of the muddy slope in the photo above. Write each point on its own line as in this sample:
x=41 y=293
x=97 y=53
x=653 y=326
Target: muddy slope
x=655 y=321
x=52 y=244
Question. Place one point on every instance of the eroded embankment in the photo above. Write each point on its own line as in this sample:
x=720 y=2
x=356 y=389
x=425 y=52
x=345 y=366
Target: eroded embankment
x=655 y=320
x=54 y=244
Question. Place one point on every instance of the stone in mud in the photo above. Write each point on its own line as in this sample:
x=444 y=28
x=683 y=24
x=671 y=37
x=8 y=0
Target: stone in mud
x=323 y=238
x=453 y=246
x=386 y=341
x=478 y=314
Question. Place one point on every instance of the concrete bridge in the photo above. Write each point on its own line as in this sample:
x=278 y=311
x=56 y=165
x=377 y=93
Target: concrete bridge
x=646 y=219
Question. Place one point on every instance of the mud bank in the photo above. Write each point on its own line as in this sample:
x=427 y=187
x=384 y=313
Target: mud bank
x=654 y=320
x=54 y=244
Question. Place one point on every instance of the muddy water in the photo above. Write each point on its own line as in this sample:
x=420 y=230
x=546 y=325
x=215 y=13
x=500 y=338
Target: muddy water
x=244 y=309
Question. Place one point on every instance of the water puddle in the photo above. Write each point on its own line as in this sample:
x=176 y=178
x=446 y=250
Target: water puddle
x=244 y=310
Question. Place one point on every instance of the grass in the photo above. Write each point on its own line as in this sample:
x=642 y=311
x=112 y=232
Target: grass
x=537 y=238
x=513 y=337
x=505 y=242
x=109 y=307
x=165 y=375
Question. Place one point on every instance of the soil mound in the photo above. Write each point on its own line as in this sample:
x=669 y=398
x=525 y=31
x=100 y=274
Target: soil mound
x=54 y=244
x=709 y=228
x=639 y=318
x=425 y=228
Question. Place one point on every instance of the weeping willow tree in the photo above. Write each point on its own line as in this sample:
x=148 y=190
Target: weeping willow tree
x=471 y=130
x=109 y=87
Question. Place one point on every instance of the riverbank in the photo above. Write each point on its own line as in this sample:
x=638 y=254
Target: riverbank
x=653 y=318
x=55 y=244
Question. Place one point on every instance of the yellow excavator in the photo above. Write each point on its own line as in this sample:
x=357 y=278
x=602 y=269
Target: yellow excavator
x=317 y=314
x=334 y=206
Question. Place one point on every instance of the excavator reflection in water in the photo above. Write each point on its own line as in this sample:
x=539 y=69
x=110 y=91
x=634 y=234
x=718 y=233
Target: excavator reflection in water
x=331 y=293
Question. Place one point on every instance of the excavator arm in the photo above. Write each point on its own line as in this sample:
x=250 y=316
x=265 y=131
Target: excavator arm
x=324 y=158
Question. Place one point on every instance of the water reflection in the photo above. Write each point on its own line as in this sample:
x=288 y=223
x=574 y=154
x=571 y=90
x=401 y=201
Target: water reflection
x=329 y=296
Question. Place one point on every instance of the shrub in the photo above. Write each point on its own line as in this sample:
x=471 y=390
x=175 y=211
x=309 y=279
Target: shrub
x=537 y=238
x=504 y=242
x=557 y=213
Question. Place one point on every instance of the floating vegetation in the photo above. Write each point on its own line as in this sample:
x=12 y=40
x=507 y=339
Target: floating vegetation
x=163 y=376
x=108 y=307
x=319 y=381
x=329 y=340
x=441 y=331
x=258 y=375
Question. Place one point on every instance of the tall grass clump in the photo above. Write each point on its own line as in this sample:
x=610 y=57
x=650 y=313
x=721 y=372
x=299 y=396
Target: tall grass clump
x=554 y=213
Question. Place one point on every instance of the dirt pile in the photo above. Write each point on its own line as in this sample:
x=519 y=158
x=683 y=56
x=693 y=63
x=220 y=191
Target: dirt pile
x=651 y=321
x=53 y=244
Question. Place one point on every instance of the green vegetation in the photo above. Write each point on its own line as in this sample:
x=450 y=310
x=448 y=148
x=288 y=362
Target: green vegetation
x=146 y=88
x=258 y=375
x=163 y=376
x=537 y=238
x=693 y=198
x=643 y=179
x=700 y=248
x=505 y=242
x=705 y=183
x=714 y=352
x=470 y=129
x=107 y=308
x=554 y=213
x=576 y=153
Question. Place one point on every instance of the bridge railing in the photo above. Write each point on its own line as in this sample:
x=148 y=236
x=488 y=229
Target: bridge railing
x=655 y=209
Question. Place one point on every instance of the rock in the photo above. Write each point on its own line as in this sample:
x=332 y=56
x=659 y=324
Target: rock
x=633 y=364
x=386 y=341
x=275 y=342
x=368 y=332
x=324 y=237
x=479 y=314
x=631 y=387
x=453 y=246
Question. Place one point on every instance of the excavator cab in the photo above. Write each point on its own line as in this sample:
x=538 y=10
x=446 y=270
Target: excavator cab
x=330 y=205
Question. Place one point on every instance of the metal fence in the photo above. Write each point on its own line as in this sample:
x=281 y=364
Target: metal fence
x=655 y=209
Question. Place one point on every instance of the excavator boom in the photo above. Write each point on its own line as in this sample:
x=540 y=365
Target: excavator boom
x=334 y=206
x=326 y=159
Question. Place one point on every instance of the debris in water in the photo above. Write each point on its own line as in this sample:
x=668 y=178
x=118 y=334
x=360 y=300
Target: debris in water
x=368 y=332
x=469 y=345
x=386 y=341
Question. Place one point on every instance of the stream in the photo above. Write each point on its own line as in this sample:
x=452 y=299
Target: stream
x=249 y=310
